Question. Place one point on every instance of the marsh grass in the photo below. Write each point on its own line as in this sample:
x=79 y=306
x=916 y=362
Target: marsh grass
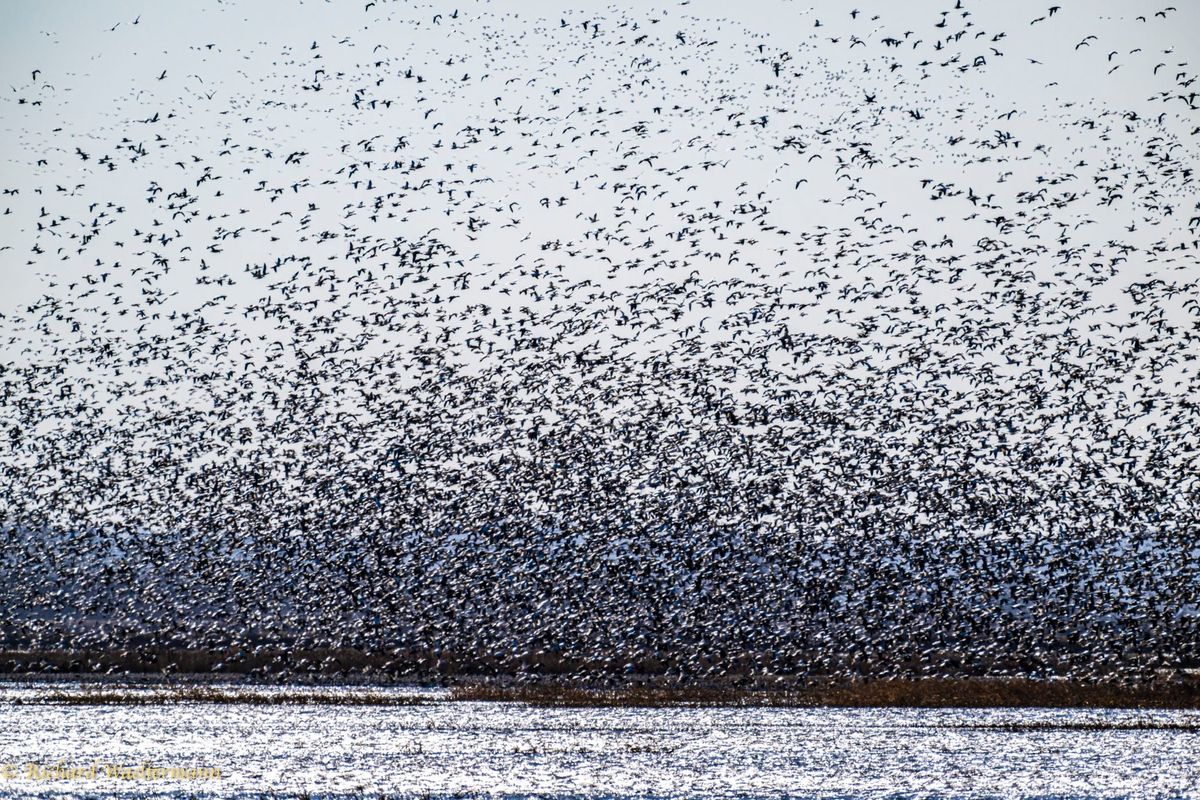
x=923 y=693
x=120 y=696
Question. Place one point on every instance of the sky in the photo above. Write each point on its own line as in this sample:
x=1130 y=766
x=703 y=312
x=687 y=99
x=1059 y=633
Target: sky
x=273 y=120
x=98 y=66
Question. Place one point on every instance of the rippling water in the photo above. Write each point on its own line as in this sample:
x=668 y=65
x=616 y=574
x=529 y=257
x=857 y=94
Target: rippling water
x=507 y=750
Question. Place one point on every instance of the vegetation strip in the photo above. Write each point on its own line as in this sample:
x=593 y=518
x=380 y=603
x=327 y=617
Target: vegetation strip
x=120 y=697
x=930 y=693
x=926 y=693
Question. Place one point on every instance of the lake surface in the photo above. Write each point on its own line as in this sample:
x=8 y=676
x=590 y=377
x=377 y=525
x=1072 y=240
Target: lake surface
x=509 y=750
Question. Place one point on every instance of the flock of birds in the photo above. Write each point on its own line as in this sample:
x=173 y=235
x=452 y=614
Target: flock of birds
x=631 y=341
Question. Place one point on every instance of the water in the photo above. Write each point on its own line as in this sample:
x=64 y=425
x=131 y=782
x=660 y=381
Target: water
x=506 y=750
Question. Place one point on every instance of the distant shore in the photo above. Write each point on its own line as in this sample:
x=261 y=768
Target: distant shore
x=918 y=693
x=881 y=693
x=120 y=677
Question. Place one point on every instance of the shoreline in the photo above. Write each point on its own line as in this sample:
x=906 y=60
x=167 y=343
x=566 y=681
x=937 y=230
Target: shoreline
x=979 y=693
x=312 y=676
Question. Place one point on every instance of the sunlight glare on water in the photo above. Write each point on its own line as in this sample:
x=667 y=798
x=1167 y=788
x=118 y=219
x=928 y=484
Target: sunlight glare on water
x=505 y=750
